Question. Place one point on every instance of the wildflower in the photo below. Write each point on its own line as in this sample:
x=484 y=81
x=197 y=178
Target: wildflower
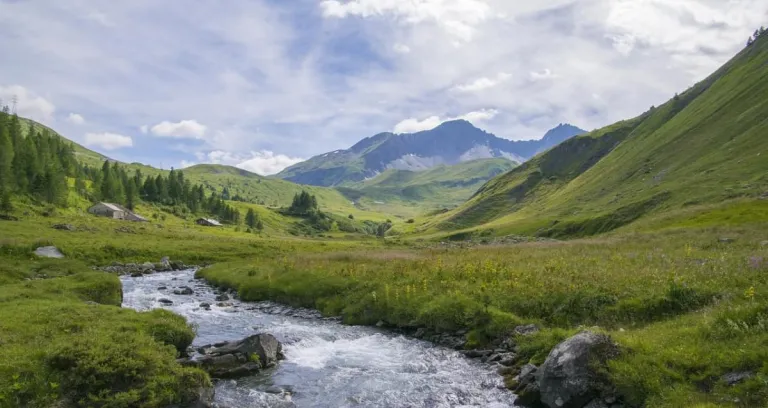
x=750 y=294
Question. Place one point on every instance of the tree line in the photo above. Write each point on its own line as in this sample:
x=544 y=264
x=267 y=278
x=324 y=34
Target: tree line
x=758 y=33
x=40 y=163
x=36 y=166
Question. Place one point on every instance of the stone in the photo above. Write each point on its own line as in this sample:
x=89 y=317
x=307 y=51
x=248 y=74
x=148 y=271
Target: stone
x=137 y=274
x=274 y=390
x=222 y=298
x=597 y=403
x=184 y=290
x=726 y=240
x=508 y=360
x=165 y=301
x=420 y=333
x=735 y=378
x=380 y=323
x=239 y=358
x=526 y=330
x=148 y=266
x=64 y=227
x=205 y=305
x=49 y=252
x=527 y=390
x=224 y=304
x=202 y=398
x=165 y=261
x=162 y=287
x=569 y=377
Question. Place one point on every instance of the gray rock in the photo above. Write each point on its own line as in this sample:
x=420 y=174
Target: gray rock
x=527 y=390
x=202 y=398
x=205 y=305
x=239 y=358
x=420 y=333
x=64 y=227
x=165 y=261
x=162 y=287
x=568 y=378
x=526 y=330
x=380 y=323
x=726 y=240
x=148 y=266
x=222 y=298
x=735 y=378
x=49 y=252
x=184 y=290
x=274 y=390
x=597 y=403
x=165 y=301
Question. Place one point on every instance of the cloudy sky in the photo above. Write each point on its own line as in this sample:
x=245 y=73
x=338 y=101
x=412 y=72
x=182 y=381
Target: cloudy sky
x=264 y=83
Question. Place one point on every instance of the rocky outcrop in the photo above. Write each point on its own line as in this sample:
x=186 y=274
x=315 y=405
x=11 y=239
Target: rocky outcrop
x=184 y=290
x=238 y=358
x=573 y=375
x=140 y=269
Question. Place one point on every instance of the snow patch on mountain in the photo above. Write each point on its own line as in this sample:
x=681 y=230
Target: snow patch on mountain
x=413 y=162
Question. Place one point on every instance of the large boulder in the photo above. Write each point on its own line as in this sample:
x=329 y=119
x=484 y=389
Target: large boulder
x=573 y=374
x=239 y=358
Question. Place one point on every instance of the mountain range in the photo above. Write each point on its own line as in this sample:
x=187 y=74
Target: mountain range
x=450 y=143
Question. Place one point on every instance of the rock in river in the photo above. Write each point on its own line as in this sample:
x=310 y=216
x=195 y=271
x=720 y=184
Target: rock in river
x=239 y=358
x=184 y=290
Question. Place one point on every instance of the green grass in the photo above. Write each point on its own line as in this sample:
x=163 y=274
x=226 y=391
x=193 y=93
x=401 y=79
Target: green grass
x=65 y=338
x=667 y=297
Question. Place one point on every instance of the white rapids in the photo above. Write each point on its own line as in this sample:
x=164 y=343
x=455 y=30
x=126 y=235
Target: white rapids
x=328 y=365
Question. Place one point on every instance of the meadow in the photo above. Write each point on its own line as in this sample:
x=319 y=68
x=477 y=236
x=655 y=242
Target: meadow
x=687 y=305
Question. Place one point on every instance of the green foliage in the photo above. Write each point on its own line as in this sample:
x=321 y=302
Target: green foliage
x=303 y=204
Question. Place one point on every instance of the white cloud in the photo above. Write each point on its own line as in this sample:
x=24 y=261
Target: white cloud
x=266 y=162
x=28 y=104
x=401 y=48
x=108 y=141
x=413 y=125
x=458 y=17
x=185 y=129
x=262 y=162
x=75 y=119
x=483 y=83
x=144 y=129
x=542 y=75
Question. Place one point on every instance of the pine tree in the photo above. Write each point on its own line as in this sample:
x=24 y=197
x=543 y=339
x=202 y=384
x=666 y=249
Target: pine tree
x=259 y=225
x=5 y=202
x=6 y=158
x=250 y=218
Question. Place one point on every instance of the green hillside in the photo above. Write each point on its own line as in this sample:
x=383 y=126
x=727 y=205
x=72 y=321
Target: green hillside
x=439 y=187
x=705 y=145
x=83 y=154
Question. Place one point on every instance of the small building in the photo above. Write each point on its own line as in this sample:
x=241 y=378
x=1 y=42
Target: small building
x=207 y=222
x=107 y=210
x=115 y=211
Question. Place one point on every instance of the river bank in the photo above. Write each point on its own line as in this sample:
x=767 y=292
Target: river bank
x=327 y=364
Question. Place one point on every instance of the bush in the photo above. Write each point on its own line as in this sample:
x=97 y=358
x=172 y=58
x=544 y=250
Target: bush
x=108 y=369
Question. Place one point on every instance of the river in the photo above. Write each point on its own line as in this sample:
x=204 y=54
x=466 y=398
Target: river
x=328 y=365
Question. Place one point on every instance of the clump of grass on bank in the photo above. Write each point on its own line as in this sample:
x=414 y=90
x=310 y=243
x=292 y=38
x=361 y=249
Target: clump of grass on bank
x=65 y=339
x=687 y=305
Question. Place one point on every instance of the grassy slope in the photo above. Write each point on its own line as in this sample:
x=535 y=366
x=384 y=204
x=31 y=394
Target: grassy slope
x=439 y=187
x=705 y=146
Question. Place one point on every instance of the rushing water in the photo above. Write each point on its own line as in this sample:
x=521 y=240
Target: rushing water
x=327 y=364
